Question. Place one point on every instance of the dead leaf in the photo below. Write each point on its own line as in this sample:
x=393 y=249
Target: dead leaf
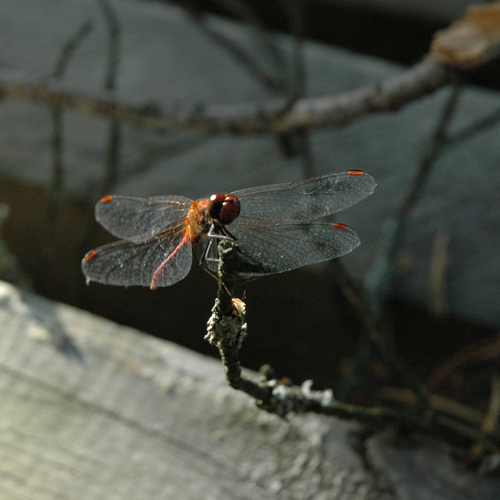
x=471 y=41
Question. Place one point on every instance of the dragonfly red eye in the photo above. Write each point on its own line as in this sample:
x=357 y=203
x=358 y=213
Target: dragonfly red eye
x=224 y=208
x=215 y=205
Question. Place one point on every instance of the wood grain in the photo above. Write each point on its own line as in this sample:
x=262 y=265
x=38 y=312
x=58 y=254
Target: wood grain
x=94 y=410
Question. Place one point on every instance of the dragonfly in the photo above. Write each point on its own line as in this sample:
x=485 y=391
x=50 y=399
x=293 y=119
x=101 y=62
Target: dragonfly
x=275 y=227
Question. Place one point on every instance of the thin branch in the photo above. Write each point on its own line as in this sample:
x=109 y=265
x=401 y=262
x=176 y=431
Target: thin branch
x=428 y=161
x=380 y=275
x=296 y=12
x=227 y=325
x=114 y=131
x=484 y=350
x=227 y=328
x=474 y=129
x=239 y=54
x=379 y=279
x=438 y=273
x=56 y=189
x=69 y=48
x=244 y=11
x=114 y=44
x=272 y=116
x=113 y=149
x=57 y=185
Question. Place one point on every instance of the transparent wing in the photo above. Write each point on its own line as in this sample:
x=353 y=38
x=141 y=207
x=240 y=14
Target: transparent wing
x=130 y=216
x=161 y=261
x=306 y=200
x=276 y=247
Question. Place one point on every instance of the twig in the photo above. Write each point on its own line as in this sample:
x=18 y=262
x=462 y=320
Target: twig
x=227 y=326
x=114 y=44
x=475 y=128
x=379 y=278
x=114 y=132
x=290 y=144
x=296 y=14
x=56 y=189
x=244 y=11
x=434 y=150
x=225 y=329
x=113 y=150
x=479 y=352
x=440 y=260
x=381 y=273
x=272 y=116
x=271 y=82
x=57 y=185
x=492 y=417
x=69 y=48
x=448 y=407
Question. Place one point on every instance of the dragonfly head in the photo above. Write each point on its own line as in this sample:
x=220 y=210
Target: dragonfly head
x=224 y=208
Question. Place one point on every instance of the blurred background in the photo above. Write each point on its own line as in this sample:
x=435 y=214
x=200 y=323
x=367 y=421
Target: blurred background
x=56 y=162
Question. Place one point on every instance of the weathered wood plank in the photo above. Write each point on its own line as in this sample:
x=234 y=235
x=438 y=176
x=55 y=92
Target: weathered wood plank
x=90 y=409
x=94 y=410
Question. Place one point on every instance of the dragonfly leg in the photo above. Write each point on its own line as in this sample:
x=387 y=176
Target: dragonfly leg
x=215 y=232
x=219 y=232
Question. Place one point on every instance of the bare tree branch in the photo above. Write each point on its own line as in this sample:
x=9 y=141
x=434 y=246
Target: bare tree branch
x=272 y=116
